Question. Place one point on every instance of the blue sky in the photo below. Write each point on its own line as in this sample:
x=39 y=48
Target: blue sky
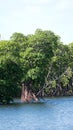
x=25 y=16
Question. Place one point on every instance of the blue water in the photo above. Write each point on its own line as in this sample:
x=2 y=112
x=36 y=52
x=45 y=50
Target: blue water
x=51 y=114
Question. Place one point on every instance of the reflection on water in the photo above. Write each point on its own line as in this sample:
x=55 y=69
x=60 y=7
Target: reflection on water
x=53 y=113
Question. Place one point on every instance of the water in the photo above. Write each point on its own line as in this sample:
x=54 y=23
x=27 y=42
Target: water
x=52 y=114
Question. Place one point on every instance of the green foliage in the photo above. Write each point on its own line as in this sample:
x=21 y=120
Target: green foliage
x=18 y=37
x=41 y=58
x=53 y=84
x=64 y=80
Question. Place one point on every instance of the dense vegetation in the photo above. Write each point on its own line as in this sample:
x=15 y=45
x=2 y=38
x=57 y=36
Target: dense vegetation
x=41 y=58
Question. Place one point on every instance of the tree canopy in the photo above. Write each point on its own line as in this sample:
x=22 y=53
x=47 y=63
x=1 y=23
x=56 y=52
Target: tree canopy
x=40 y=57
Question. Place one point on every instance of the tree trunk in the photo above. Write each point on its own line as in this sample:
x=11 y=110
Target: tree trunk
x=27 y=95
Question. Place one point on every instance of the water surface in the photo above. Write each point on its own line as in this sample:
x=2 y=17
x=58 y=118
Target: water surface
x=51 y=114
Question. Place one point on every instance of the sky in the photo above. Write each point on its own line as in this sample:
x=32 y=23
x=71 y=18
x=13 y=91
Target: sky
x=25 y=16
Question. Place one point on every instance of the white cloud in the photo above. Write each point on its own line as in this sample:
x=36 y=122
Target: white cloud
x=32 y=9
x=36 y=2
x=64 y=4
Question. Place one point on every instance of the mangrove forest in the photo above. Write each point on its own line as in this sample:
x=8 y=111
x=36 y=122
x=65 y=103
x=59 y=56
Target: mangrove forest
x=39 y=60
